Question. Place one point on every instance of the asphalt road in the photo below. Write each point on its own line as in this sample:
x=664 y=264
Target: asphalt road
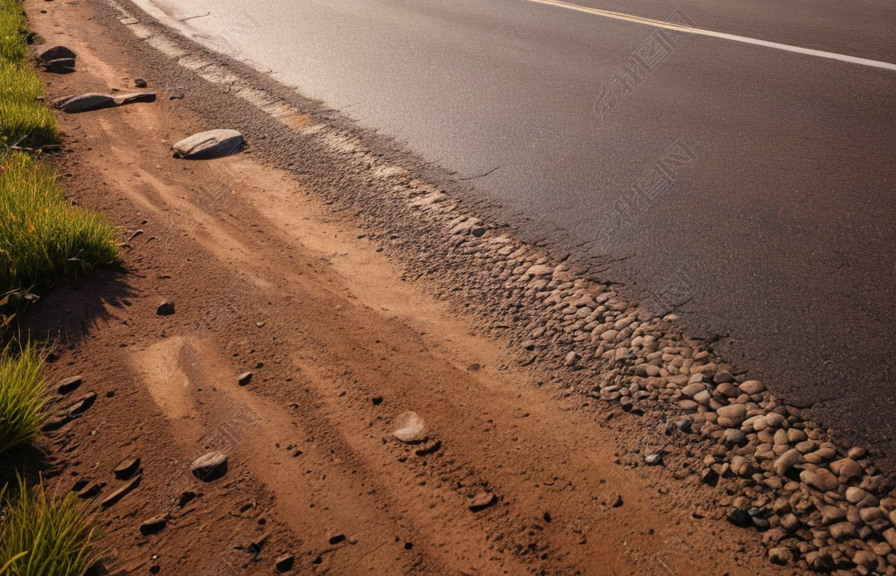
x=750 y=188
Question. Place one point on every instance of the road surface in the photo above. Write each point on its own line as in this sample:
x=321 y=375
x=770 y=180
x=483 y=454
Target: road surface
x=749 y=187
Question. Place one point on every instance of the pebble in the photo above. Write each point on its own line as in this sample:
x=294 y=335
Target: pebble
x=732 y=416
x=692 y=390
x=831 y=514
x=284 y=563
x=127 y=468
x=847 y=468
x=859 y=497
x=81 y=405
x=786 y=461
x=780 y=555
x=740 y=518
x=820 y=561
x=752 y=387
x=210 y=466
x=875 y=518
x=244 y=378
x=734 y=437
x=742 y=467
x=843 y=531
x=654 y=459
x=482 y=501
x=209 y=144
x=857 y=453
x=890 y=536
x=68 y=385
x=165 y=309
x=153 y=525
x=410 y=428
x=820 y=479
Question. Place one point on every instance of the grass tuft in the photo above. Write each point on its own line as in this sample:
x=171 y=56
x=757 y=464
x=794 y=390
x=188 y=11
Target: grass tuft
x=13 y=27
x=43 y=237
x=43 y=535
x=23 y=116
x=22 y=397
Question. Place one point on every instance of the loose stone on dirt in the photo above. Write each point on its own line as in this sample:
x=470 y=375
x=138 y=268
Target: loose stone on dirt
x=154 y=525
x=68 y=385
x=127 y=468
x=165 y=309
x=209 y=466
x=482 y=501
x=410 y=428
x=210 y=144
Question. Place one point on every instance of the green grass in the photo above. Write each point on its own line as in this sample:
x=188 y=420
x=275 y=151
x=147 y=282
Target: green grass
x=13 y=28
x=42 y=534
x=23 y=116
x=43 y=237
x=22 y=396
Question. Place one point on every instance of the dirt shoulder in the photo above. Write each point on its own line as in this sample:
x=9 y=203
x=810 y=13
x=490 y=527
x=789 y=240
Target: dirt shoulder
x=518 y=474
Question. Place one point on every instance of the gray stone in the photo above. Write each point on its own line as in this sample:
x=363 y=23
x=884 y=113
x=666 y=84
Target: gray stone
x=209 y=466
x=210 y=144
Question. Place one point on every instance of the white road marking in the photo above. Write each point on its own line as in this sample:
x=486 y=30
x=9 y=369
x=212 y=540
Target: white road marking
x=713 y=34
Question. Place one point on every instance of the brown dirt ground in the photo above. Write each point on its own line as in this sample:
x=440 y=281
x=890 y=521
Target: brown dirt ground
x=264 y=279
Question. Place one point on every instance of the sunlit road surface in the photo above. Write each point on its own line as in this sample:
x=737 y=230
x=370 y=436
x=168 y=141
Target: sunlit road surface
x=744 y=176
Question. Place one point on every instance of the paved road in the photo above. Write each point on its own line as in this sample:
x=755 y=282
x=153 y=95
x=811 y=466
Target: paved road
x=750 y=187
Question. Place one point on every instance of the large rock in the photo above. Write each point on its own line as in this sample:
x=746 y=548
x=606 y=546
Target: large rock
x=92 y=101
x=85 y=103
x=55 y=53
x=210 y=144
